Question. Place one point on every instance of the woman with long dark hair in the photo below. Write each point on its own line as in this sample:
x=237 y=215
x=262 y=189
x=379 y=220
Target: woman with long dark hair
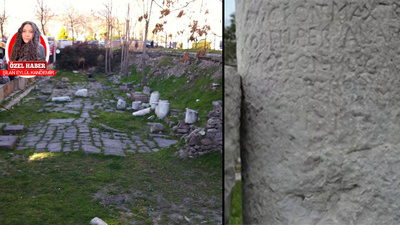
x=27 y=45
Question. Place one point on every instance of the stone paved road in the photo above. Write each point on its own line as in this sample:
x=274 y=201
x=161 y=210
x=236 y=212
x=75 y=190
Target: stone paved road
x=65 y=135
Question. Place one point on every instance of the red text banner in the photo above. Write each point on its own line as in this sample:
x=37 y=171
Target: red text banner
x=29 y=72
x=27 y=65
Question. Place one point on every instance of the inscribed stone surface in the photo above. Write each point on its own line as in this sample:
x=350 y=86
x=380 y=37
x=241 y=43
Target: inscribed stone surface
x=321 y=111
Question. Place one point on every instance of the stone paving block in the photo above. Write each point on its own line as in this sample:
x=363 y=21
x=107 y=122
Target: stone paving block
x=41 y=144
x=105 y=135
x=67 y=149
x=113 y=143
x=137 y=138
x=120 y=135
x=85 y=115
x=60 y=121
x=32 y=138
x=41 y=130
x=162 y=142
x=155 y=149
x=73 y=106
x=143 y=149
x=139 y=143
x=30 y=144
x=128 y=142
x=79 y=121
x=113 y=151
x=75 y=148
x=70 y=135
x=131 y=151
x=84 y=139
x=21 y=148
x=14 y=129
x=71 y=111
x=90 y=107
x=8 y=141
x=97 y=144
x=90 y=149
x=54 y=147
x=84 y=130
x=40 y=150
x=151 y=144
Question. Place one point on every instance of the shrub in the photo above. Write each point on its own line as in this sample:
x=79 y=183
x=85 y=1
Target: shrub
x=68 y=58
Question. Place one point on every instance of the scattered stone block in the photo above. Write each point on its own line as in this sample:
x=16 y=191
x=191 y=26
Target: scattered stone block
x=61 y=85
x=61 y=99
x=156 y=127
x=8 y=142
x=121 y=104
x=47 y=91
x=142 y=112
x=64 y=79
x=44 y=98
x=82 y=93
x=147 y=90
x=206 y=141
x=154 y=98
x=97 y=221
x=191 y=116
x=162 y=109
x=14 y=129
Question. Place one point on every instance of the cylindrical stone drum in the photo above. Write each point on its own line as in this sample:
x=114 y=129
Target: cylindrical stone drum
x=321 y=111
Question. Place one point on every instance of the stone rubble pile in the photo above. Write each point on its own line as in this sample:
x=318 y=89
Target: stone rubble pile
x=201 y=140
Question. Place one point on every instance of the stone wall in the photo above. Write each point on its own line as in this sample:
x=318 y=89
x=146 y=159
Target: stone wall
x=14 y=86
x=321 y=108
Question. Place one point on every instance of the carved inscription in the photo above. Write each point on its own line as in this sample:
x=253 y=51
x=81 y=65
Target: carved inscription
x=334 y=36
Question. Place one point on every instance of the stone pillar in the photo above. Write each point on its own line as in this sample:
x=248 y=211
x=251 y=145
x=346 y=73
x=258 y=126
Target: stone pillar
x=232 y=100
x=321 y=111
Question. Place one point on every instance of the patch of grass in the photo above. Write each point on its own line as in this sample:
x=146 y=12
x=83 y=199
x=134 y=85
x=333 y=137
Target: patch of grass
x=59 y=188
x=194 y=94
x=135 y=77
x=165 y=61
x=124 y=122
x=72 y=77
x=236 y=213
x=26 y=114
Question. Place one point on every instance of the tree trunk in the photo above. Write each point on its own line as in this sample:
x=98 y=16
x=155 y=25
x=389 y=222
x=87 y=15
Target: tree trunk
x=144 y=82
x=320 y=124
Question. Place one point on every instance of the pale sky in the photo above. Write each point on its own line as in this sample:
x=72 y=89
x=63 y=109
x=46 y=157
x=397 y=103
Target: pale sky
x=19 y=11
x=229 y=9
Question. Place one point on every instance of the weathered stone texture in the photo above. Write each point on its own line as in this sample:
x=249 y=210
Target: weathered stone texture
x=321 y=106
x=232 y=100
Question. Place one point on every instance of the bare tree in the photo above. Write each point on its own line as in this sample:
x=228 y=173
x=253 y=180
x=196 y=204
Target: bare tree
x=3 y=19
x=107 y=14
x=72 y=20
x=147 y=7
x=125 y=43
x=43 y=13
x=197 y=29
